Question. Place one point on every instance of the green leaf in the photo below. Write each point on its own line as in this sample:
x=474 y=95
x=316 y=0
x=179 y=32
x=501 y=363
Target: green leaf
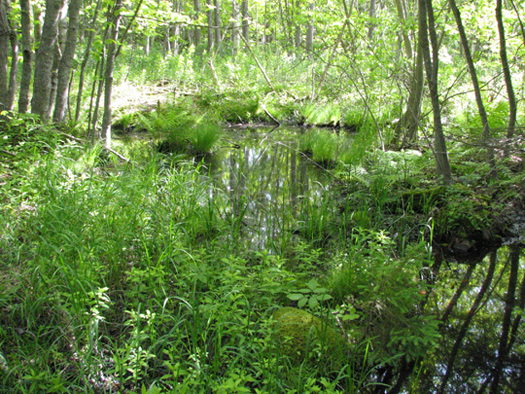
x=324 y=297
x=295 y=297
x=312 y=284
x=302 y=302
x=312 y=303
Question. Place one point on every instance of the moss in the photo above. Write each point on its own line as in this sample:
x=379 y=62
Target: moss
x=299 y=333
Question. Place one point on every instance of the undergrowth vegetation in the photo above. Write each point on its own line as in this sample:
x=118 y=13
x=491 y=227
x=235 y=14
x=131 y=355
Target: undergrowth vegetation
x=142 y=276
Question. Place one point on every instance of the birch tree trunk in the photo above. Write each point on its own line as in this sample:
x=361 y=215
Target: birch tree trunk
x=27 y=56
x=44 y=60
x=245 y=21
x=64 y=69
x=235 y=27
x=108 y=75
x=13 y=72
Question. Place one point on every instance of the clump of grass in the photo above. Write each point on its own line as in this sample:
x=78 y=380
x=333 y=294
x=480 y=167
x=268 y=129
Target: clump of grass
x=322 y=145
x=321 y=115
x=203 y=136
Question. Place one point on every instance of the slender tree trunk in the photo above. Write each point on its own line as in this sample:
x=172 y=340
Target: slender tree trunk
x=13 y=72
x=310 y=31
x=506 y=71
x=431 y=66
x=235 y=27
x=108 y=74
x=371 y=15
x=64 y=69
x=475 y=84
x=217 y=21
x=197 y=29
x=209 y=15
x=245 y=21
x=27 y=56
x=5 y=31
x=298 y=34
x=44 y=60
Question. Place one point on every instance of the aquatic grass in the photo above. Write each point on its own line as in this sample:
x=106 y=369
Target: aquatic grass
x=322 y=145
x=203 y=136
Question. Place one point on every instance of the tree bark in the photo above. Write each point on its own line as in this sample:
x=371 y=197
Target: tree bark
x=235 y=28
x=217 y=21
x=5 y=31
x=245 y=21
x=44 y=60
x=197 y=29
x=13 y=72
x=310 y=31
x=27 y=56
x=431 y=67
x=209 y=15
x=64 y=69
x=108 y=74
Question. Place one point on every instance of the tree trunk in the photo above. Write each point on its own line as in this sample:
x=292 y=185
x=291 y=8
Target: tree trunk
x=38 y=21
x=217 y=21
x=506 y=71
x=44 y=60
x=245 y=21
x=64 y=69
x=197 y=29
x=371 y=15
x=27 y=56
x=209 y=15
x=431 y=67
x=13 y=72
x=108 y=74
x=310 y=31
x=235 y=27
x=475 y=84
x=5 y=31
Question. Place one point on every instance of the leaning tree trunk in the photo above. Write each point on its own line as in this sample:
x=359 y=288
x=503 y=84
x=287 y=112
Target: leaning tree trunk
x=27 y=56
x=64 y=69
x=506 y=71
x=431 y=67
x=475 y=84
x=108 y=75
x=44 y=60
x=5 y=31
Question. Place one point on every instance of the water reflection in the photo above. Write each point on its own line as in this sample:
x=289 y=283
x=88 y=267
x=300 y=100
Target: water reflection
x=267 y=181
x=481 y=306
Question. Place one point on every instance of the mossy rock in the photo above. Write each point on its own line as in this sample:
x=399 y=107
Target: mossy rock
x=299 y=333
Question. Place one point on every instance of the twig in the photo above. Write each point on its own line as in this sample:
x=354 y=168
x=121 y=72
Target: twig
x=117 y=154
x=7 y=152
